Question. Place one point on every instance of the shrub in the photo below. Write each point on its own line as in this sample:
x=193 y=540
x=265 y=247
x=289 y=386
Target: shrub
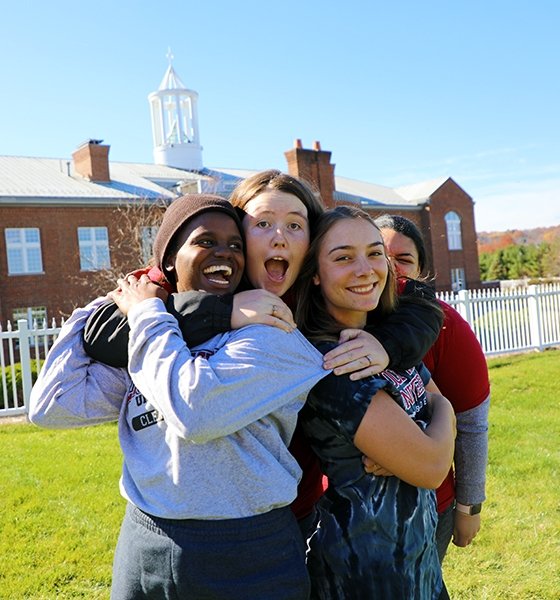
x=7 y=375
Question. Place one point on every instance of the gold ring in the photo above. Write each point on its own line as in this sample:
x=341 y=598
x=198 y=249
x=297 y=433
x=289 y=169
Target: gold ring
x=274 y=309
x=369 y=360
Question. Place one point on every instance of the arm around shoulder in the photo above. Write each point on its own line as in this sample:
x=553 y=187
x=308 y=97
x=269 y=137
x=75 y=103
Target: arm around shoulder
x=239 y=379
x=105 y=336
x=199 y=315
x=409 y=332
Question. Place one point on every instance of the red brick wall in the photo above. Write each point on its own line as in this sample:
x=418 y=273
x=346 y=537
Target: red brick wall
x=430 y=218
x=419 y=218
x=450 y=197
x=92 y=162
x=57 y=287
x=59 y=290
x=315 y=167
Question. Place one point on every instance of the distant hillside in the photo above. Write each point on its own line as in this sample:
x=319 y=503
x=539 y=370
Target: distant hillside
x=495 y=240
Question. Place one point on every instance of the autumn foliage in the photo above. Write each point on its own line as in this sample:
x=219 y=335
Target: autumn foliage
x=520 y=254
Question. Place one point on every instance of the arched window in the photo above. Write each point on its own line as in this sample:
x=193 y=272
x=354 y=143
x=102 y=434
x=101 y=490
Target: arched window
x=453 y=225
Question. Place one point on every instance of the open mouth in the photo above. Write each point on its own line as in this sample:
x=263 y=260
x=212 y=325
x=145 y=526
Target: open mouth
x=218 y=274
x=276 y=268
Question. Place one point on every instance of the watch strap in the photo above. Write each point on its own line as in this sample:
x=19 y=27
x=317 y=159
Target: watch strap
x=468 y=509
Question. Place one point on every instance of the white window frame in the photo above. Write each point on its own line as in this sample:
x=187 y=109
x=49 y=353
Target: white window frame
x=29 y=251
x=453 y=228
x=457 y=279
x=100 y=257
x=31 y=314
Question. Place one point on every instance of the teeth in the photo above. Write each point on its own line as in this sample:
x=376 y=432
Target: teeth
x=362 y=289
x=219 y=269
x=221 y=282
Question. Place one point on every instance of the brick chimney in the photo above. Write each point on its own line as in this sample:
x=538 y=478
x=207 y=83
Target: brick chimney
x=91 y=161
x=315 y=167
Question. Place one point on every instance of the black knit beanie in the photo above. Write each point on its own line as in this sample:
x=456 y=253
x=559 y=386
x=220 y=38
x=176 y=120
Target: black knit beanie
x=180 y=212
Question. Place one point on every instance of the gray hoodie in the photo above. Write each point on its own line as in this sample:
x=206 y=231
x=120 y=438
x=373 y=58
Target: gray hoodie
x=204 y=431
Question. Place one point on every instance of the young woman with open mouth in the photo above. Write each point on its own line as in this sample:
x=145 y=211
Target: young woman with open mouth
x=280 y=215
x=204 y=430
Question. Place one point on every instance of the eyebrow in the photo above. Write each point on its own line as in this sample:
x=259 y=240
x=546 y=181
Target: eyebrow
x=349 y=247
x=214 y=233
x=271 y=212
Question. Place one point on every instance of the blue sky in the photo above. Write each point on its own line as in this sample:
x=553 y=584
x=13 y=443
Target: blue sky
x=399 y=92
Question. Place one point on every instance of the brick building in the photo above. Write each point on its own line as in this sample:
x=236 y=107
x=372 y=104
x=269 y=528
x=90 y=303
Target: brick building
x=443 y=211
x=60 y=218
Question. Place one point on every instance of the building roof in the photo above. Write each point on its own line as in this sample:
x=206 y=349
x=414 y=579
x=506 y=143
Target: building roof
x=347 y=190
x=29 y=179
x=171 y=81
x=421 y=192
x=369 y=194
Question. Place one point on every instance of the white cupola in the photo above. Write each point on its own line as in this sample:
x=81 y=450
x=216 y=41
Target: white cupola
x=174 y=114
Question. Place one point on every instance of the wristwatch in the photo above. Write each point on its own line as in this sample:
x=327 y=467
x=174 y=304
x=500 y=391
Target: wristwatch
x=468 y=509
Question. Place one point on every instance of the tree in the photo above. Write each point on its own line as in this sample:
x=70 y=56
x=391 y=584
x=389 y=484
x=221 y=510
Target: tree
x=493 y=266
x=130 y=246
x=523 y=261
x=551 y=259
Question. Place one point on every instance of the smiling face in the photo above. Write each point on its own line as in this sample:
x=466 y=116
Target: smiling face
x=277 y=237
x=352 y=270
x=402 y=253
x=209 y=254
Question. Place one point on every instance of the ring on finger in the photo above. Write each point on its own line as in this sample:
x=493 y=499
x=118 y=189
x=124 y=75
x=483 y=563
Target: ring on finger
x=369 y=359
x=274 y=309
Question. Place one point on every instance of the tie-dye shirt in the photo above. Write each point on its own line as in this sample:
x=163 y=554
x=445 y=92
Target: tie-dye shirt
x=374 y=536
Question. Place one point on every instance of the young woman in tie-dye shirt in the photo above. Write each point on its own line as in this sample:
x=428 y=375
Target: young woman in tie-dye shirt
x=374 y=536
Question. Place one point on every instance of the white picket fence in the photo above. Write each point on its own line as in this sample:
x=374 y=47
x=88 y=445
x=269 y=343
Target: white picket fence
x=513 y=320
x=22 y=351
x=504 y=321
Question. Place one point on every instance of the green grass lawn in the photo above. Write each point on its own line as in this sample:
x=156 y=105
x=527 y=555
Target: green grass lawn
x=60 y=509
x=517 y=552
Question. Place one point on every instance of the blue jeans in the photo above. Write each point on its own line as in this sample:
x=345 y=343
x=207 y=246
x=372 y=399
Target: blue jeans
x=307 y=525
x=444 y=531
x=260 y=557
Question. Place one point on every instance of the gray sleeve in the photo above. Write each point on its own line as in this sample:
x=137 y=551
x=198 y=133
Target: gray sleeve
x=72 y=389
x=257 y=371
x=471 y=454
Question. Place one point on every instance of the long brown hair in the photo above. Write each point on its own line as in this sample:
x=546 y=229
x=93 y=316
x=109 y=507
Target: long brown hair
x=312 y=316
x=273 y=179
